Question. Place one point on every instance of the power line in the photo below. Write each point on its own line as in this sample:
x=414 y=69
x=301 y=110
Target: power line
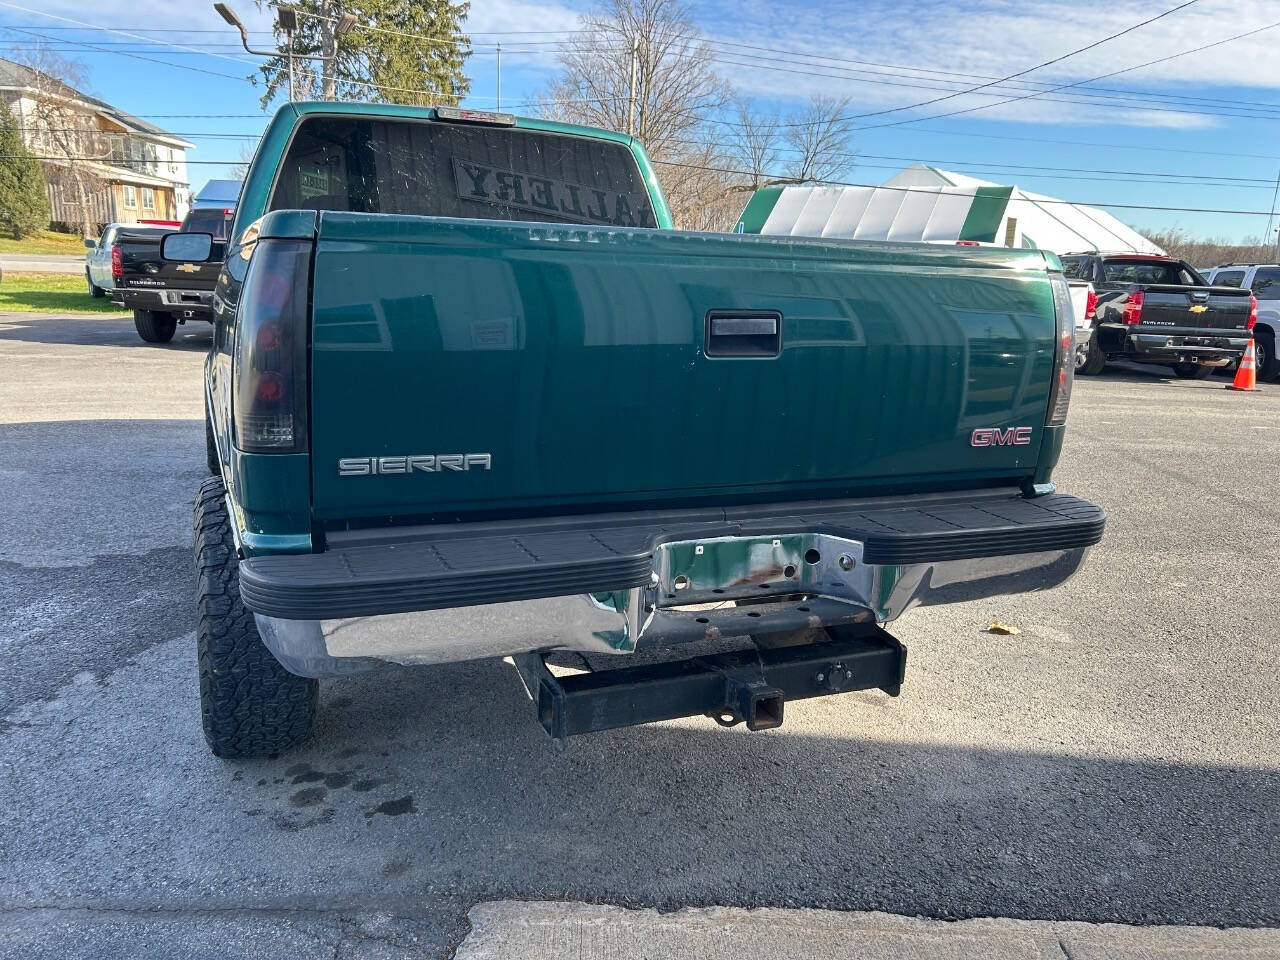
x=137 y=56
x=1065 y=86
x=1095 y=100
x=874 y=186
x=828 y=183
x=1169 y=178
x=1020 y=73
x=755 y=63
x=123 y=33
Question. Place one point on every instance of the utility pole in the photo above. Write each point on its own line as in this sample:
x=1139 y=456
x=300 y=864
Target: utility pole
x=289 y=37
x=499 y=76
x=1272 y=214
x=631 y=107
x=287 y=21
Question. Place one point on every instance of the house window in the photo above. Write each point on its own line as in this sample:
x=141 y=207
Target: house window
x=130 y=196
x=148 y=198
x=115 y=149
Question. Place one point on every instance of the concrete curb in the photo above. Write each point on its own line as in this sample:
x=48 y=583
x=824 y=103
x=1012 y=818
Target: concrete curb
x=513 y=930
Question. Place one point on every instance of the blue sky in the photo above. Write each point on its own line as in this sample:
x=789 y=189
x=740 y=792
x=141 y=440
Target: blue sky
x=1199 y=131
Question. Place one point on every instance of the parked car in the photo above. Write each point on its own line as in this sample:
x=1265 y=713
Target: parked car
x=1263 y=281
x=471 y=396
x=102 y=259
x=1084 y=306
x=163 y=294
x=1155 y=309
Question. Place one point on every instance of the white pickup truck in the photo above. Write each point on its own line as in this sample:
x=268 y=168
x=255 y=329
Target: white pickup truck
x=1084 y=303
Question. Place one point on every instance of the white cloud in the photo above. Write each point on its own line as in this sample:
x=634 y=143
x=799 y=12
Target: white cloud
x=995 y=39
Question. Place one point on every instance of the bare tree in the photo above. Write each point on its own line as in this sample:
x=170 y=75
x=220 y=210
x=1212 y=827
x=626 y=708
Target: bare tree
x=64 y=132
x=652 y=48
x=675 y=88
x=817 y=136
x=1212 y=251
x=755 y=150
x=241 y=169
x=811 y=144
x=700 y=190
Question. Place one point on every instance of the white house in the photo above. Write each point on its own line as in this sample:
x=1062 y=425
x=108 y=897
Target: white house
x=139 y=171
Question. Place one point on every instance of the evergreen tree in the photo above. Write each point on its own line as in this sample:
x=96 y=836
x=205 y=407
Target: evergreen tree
x=400 y=51
x=24 y=205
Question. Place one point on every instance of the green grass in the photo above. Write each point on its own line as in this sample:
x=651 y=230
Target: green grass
x=50 y=293
x=46 y=241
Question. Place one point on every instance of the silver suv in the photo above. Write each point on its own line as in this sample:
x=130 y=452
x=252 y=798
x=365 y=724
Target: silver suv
x=1264 y=280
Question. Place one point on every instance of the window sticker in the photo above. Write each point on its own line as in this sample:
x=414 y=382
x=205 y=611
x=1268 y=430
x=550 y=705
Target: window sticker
x=576 y=202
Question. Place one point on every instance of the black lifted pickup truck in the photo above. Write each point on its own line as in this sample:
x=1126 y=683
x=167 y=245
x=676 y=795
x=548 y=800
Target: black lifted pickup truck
x=1155 y=309
x=164 y=293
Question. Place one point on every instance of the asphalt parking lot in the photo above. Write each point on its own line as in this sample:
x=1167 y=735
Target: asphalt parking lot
x=1116 y=761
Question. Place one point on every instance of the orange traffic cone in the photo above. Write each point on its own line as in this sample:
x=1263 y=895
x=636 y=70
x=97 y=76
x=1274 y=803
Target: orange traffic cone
x=1247 y=372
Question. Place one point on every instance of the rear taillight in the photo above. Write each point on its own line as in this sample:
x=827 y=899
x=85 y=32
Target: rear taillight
x=1253 y=311
x=1091 y=305
x=270 y=362
x=967 y=243
x=1131 y=314
x=1064 y=351
x=117 y=265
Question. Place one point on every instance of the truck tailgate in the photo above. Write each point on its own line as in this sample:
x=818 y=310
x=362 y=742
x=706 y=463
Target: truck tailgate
x=1195 y=308
x=572 y=363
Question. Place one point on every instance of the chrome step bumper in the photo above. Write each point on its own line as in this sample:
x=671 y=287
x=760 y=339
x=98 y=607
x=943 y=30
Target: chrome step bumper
x=705 y=587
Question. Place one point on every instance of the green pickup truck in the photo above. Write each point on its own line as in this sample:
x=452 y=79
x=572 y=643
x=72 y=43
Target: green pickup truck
x=470 y=395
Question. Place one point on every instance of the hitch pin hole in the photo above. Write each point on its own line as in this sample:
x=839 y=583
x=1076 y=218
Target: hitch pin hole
x=812 y=556
x=681 y=582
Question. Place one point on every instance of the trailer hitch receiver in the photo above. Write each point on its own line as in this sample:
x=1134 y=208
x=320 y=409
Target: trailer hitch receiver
x=748 y=686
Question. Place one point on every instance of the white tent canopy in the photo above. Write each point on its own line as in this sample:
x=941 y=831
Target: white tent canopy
x=925 y=204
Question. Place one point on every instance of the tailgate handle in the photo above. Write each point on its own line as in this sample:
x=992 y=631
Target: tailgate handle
x=743 y=333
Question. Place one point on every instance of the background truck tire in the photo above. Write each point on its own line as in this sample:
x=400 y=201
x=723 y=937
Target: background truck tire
x=154 y=327
x=1192 y=371
x=1095 y=359
x=1264 y=347
x=94 y=290
x=250 y=706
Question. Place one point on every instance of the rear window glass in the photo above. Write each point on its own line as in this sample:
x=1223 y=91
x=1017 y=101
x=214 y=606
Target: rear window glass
x=1147 y=271
x=1229 y=278
x=460 y=170
x=1076 y=268
x=1266 y=283
x=213 y=220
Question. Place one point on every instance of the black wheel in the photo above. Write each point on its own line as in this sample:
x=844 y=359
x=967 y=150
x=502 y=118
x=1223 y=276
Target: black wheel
x=1264 y=351
x=95 y=291
x=154 y=327
x=211 y=448
x=1090 y=359
x=250 y=706
x=1192 y=371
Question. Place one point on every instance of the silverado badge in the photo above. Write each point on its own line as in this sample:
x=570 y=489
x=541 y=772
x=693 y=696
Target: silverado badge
x=189 y=268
